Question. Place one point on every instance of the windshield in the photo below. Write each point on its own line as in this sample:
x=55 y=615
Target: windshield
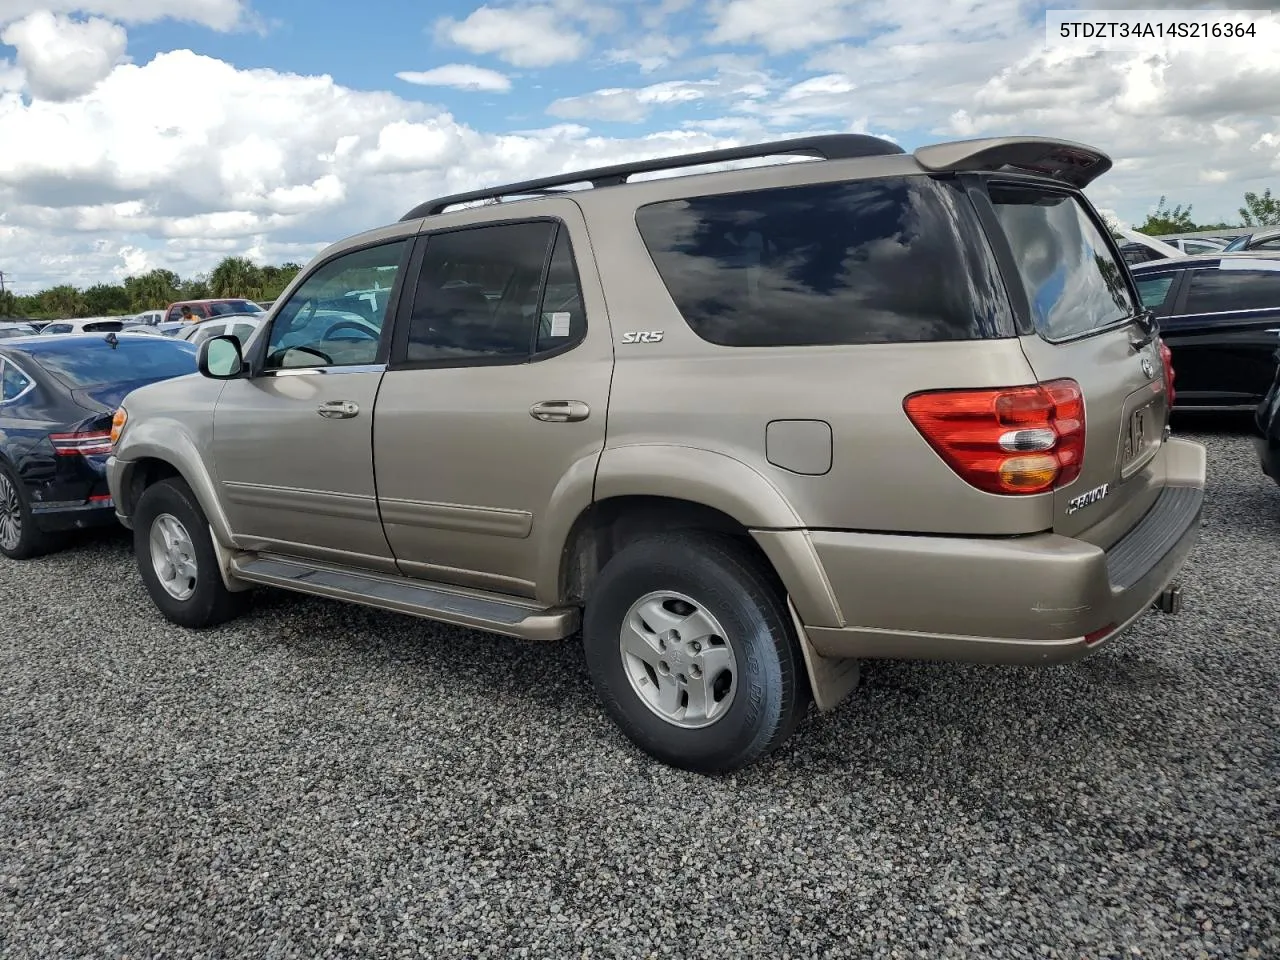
x=1073 y=283
x=1236 y=244
x=17 y=330
x=87 y=362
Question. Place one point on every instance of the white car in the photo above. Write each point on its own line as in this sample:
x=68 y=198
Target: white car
x=87 y=325
x=149 y=317
x=1194 y=245
x=242 y=327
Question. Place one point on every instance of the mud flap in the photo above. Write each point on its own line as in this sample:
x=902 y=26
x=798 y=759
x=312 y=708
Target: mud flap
x=232 y=583
x=830 y=678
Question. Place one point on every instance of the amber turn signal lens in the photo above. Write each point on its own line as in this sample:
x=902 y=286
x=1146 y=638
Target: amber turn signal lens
x=1028 y=474
x=117 y=425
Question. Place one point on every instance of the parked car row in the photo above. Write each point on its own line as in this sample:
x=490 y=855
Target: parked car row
x=1140 y=248
x=738 y=443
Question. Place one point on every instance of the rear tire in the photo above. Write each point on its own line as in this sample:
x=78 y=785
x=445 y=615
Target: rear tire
x=20 y=538
x=175 y=555
x=692 y=651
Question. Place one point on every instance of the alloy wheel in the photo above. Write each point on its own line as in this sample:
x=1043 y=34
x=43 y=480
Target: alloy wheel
x=173 y=556
x=678 y=660
x=10 y=514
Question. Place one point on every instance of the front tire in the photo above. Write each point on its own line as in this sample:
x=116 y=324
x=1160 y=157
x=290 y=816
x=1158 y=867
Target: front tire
x=176 y=559
x=692 y=651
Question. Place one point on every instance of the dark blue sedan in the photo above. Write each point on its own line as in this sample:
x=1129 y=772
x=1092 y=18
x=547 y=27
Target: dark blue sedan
x=1219 y=315
x=58 y=395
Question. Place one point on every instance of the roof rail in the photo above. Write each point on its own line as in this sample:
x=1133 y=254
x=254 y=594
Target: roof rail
x=840 y=146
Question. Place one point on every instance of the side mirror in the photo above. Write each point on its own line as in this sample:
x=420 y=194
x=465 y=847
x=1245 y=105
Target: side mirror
x=220 y=358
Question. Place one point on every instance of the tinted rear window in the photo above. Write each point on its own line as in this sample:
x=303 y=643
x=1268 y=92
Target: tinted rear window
x=833 y=263
x=1073 y=283
x=86 y=362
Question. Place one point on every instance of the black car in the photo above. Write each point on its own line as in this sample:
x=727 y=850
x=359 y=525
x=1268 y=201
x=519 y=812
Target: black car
x=1268 y=421
x=58 y=395
x=1219 y=315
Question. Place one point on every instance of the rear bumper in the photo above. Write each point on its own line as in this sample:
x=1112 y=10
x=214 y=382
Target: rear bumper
x=59 y=517
x=1021 y=600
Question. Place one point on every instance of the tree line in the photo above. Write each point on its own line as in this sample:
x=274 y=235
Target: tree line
x=233 y=277
x=1259 y=210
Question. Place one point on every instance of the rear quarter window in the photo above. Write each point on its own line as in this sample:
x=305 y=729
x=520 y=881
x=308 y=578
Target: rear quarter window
x=827 y=264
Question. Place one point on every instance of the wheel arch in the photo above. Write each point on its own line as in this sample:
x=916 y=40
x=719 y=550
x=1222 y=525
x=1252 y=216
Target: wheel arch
x=143 y=461
x=644 y=488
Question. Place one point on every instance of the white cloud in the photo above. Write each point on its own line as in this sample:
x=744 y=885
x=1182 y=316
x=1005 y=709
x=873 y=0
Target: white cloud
x=62 y=58
x=536 y=36
x=629 y=104
x=184 y=159
x=781 y=27
x=218 y=14
x=651 y=52
x=461 y=76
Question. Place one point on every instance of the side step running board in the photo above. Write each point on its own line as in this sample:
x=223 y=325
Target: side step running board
x=447 y=604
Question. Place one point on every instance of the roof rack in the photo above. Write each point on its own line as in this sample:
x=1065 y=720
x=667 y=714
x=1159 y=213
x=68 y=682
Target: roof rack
x=841 y=146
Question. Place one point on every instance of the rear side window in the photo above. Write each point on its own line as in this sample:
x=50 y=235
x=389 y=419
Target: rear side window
x=877 y=261
x=1221 y=291
x=501 y=293
x=1154 y=291
x=1073 y=283
x=13 y=382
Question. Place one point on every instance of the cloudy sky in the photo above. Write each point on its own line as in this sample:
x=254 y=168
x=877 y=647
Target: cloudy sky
x=143 y=133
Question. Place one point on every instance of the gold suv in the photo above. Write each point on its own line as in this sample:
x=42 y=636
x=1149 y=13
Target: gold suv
x=742 y=428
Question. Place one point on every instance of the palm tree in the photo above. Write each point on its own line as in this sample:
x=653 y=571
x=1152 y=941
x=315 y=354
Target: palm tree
x=236 y=277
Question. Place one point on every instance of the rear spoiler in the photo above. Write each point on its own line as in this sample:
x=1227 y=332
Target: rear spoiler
x=1071 y=163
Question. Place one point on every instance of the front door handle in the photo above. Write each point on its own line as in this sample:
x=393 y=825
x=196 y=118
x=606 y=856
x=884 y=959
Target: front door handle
x=560 y=411
x=338 y=409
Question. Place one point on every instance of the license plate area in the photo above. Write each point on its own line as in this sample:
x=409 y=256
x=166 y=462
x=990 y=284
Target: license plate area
x=1139 y=439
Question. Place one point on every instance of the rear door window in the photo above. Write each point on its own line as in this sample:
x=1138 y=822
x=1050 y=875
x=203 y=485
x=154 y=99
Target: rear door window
x=478 y=293
x=1156 y=291
x=1229 y=290
x=826 y=264
x=1074 y=285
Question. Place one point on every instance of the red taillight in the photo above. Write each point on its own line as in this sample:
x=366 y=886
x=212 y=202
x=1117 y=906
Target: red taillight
x=1166 y=361
x=86 y=443
x=1010 y=440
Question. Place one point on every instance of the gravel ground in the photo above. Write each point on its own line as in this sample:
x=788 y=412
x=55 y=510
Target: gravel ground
x=319 y=780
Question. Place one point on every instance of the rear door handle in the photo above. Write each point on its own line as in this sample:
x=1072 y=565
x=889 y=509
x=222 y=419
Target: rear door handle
x=338 y=409
x=560 y=411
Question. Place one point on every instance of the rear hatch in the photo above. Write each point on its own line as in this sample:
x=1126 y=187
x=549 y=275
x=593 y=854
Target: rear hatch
x=1088 y=327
